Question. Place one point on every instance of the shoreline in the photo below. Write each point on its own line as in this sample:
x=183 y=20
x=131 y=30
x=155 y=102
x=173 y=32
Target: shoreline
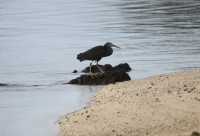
x=166 y=104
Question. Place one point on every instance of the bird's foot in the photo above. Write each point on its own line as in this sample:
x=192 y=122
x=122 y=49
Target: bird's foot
x=102 y=73
x=92 y=75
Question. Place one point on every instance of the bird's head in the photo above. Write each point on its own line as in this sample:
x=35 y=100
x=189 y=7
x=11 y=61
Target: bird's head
x=111 y=45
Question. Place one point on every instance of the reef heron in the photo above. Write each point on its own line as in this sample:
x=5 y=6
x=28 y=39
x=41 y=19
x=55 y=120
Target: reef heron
x=96 y=53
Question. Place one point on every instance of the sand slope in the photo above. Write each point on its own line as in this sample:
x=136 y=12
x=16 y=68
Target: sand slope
x=162 y=105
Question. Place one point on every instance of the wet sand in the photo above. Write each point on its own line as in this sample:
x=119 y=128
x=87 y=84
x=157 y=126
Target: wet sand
x=162 y=105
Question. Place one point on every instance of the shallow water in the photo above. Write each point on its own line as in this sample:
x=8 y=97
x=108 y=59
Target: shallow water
x=39 y=42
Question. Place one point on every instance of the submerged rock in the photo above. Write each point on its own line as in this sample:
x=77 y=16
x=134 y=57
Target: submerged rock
x=111 y=75
x=3 y=85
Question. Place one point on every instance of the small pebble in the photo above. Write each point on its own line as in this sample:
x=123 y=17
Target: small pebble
x=197 y=99
x=152 y=84
x=157 y=100
x=185 y=89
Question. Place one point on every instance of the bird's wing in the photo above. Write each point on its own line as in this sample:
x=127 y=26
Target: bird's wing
x=95 y=53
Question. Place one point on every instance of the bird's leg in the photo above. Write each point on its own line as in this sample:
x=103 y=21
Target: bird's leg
x=92 y=74
x=99 y=68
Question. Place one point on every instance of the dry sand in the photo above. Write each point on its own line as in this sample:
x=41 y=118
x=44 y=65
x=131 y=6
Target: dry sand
x=163 y=105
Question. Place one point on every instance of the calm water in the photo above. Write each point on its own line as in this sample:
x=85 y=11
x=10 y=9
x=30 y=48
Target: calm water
x=39 y=41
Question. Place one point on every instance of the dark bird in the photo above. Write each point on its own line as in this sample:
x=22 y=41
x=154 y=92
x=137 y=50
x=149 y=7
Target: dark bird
x=96 y=53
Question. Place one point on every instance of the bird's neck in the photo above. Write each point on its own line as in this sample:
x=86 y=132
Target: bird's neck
x=108 y=51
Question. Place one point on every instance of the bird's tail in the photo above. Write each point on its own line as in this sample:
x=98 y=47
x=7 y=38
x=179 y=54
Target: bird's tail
x=80 y=57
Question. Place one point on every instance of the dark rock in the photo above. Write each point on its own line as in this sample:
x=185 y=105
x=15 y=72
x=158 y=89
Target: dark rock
x=195 y=133
x=3 y=85
x=102 y=79
x=75 y=71
x=108 y=67
x=111 y=75
x=94 y=68
x=123 y=67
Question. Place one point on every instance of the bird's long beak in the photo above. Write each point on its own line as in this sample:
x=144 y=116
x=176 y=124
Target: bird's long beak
x=116 y=46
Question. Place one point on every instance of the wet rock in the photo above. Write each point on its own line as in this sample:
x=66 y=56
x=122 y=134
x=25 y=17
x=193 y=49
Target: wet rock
x=111 y=75
x=75 y=71
x=123 y=67
x=102 y=79
x=107 y=67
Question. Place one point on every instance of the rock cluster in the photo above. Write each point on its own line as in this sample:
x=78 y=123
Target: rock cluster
x=111 y=75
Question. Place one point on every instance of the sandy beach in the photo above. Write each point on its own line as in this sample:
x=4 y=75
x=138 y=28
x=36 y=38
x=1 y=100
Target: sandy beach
x=161 y=105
